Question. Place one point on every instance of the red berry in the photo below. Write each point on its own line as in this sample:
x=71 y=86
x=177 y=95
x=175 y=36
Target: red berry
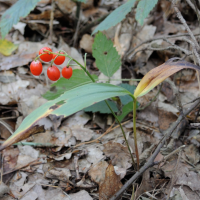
x=67 y=72
x=60 y=59
x=46 y=57
x=53 y=73
x=36 y=68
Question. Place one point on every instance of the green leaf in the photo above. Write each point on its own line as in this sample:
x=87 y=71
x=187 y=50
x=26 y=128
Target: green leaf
x=62 y=85
x=143 y=9
x=131 y=88
x=66 y=105
x=20 y=9
x=102 y=107
x=7 y=47
x=115 y=17
x=126 y=110
x=107 y=59
x=82 y=1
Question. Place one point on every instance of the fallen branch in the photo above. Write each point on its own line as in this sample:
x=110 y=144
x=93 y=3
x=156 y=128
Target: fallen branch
x=151 y=162
x=149 y=48
x=129 y=56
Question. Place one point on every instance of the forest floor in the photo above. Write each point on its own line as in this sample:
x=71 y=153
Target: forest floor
x=73 y=161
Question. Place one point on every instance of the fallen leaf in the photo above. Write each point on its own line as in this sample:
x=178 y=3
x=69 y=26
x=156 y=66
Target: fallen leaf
x=7 y=77
x=20 y=26
x=192 y=153
x=111 y=184
x=118 y=154
x=146 y=33
x=19 y=187
x=97 y=172
x=61 y=174
x=86 y=43
x=31 y=195
x=81 y=195
x=7 y=47
x=4 y=189
x=10 y=157
x=94 y=154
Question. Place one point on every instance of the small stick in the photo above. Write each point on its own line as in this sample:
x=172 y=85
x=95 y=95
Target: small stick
x=78 y=22
x=77 y=168
x=51 y=22
x=154 y=39
x=179 y=15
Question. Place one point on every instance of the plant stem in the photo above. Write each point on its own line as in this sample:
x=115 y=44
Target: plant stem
x=122 y=132
x=110 y=110
x=135 y=133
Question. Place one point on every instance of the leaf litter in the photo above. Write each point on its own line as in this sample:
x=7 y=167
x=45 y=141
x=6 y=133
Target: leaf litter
x=67 y=170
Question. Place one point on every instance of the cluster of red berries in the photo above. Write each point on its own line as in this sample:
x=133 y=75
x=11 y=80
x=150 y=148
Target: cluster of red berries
x=52 y=72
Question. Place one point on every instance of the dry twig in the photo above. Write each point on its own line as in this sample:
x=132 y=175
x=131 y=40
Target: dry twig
x=180 y=17
x=51 y=22
x=129 y=56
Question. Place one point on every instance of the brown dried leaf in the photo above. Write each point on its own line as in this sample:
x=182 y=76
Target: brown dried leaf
x=10 y=156
x=86 y=43
x=97 y=172
x=192 y=153
x=111 y=184
x=118 y=154
x=61 y=174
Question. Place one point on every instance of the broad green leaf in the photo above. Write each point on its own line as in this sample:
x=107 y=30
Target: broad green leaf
x=102 y=107
x=66 y=105
x=160 y=73
x=143 y=9
x=115 y=17
x=62 y=85
x=20 y=9
x=7 y=47
x=107 y=59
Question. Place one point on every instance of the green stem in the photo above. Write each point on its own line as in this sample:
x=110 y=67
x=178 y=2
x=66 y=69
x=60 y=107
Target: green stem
x=135 y=133
x=93 y=80
x=122 y=132
x=39 y=56
x=85 y=70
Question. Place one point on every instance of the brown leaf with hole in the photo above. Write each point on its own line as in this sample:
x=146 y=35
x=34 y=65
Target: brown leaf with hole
x=111 y=184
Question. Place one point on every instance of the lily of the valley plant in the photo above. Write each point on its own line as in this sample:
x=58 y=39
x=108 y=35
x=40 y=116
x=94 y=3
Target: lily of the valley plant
x=83 y=96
